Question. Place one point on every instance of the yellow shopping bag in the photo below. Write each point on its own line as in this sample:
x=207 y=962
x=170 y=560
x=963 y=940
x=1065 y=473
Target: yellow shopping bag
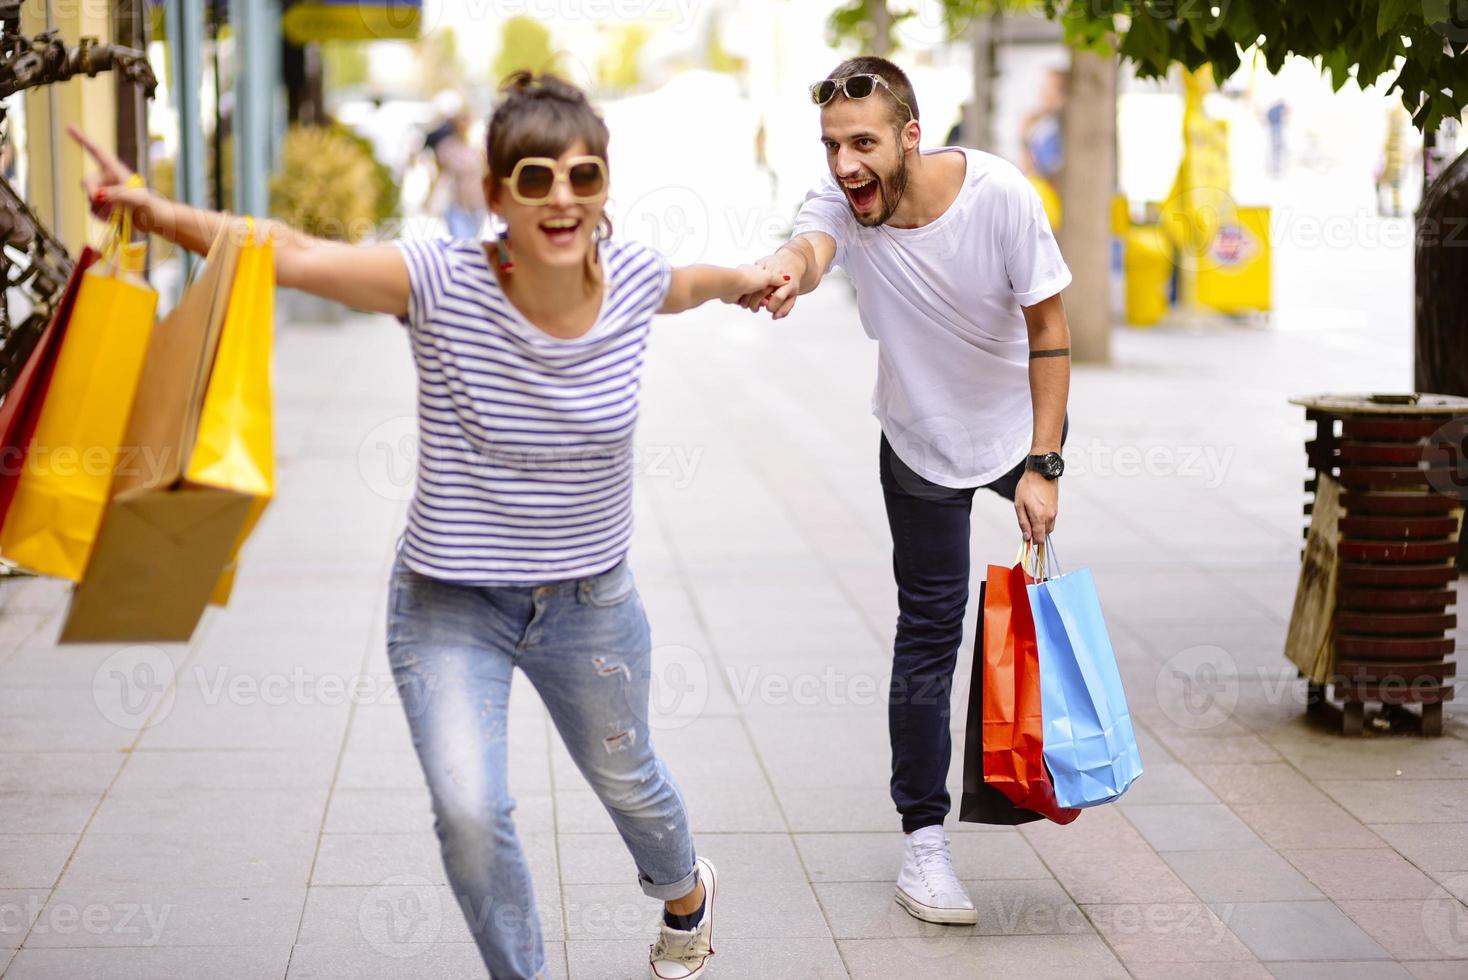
x=235 y=446
x=64 y=484
x=163 y=543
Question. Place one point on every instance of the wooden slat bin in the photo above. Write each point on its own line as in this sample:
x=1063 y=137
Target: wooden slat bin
x=1399 y=462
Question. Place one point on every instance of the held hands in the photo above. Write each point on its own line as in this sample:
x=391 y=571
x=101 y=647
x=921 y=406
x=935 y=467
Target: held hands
x=1035 y=503
x=749 y=280
x=779 y=298
x=108 y=185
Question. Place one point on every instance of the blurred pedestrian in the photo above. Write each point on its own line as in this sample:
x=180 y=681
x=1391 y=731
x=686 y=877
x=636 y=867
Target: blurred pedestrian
x=1275 y=118
x=529 y=352
x=1392 y=173
x=455 y=193
x=1042 y=147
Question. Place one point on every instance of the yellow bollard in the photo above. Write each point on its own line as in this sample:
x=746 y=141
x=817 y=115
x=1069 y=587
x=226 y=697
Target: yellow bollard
x=1148 y=267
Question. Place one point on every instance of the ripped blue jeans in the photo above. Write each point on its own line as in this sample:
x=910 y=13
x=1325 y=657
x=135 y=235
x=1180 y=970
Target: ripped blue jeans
x=585 y=646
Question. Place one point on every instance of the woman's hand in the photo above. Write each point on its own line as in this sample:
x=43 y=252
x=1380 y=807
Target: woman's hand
x=107 y=187
x=747 y=279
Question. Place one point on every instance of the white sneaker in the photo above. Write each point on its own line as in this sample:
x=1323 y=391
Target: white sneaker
x=927 y=886
x=679 y=955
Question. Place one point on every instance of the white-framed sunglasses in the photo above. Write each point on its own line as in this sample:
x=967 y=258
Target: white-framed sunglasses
x=534 y=179
x=854 y=87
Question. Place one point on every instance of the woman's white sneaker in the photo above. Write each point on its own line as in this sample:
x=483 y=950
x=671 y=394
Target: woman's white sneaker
x=927 y=886
x=679 y=955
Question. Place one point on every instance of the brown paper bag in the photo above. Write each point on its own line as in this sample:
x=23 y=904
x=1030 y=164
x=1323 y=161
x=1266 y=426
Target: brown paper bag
x=160 y=432
x=163 y=548
x=1308 y=643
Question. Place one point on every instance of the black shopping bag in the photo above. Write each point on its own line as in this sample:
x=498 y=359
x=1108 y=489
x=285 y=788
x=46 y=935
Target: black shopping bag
x=981 y=802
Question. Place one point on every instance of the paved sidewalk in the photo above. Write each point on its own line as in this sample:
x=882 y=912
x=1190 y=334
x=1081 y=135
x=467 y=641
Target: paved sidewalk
x=248 y=806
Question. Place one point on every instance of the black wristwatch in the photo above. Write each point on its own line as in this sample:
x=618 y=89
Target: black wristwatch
x=1050 y=465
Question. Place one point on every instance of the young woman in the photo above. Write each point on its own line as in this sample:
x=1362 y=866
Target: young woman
x=529 y=353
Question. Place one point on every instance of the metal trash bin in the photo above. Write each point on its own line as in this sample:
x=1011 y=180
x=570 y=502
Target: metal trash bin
x=1399 y=463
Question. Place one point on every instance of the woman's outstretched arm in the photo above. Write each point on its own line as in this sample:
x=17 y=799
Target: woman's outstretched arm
x=694 y=285
x=366 y=277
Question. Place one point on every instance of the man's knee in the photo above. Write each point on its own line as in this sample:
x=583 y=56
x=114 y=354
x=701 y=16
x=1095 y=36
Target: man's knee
x=934 y=616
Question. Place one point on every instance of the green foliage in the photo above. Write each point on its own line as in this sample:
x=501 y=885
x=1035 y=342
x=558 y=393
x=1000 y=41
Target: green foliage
x=856 y=20
x=1415 y=44
x=385 y=201
x=1418 y=45
x=326 y=184
x=525 y=45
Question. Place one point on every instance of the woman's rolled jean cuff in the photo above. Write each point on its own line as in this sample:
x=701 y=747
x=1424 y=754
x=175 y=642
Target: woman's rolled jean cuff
x=667 y=893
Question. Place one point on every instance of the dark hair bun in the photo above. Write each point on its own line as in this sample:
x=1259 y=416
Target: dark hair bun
x=528 y=84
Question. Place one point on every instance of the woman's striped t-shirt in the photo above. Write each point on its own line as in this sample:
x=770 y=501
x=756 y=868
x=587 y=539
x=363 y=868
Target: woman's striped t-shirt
x=525 y=440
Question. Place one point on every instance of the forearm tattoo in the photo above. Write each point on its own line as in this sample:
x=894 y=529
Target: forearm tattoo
x=1052 y=352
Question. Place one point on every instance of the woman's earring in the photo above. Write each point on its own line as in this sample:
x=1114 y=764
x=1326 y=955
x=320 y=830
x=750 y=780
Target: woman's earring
x=506 y=265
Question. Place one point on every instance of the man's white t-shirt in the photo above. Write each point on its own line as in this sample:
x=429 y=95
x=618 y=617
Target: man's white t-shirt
x=943 y=303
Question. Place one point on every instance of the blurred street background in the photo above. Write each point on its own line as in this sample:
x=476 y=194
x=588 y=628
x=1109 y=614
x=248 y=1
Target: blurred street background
x=248 y=805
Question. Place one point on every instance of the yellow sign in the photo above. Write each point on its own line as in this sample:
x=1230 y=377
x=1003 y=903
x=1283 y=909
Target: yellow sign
x=1222 y=249
x=1235 y=276
x=305 y=23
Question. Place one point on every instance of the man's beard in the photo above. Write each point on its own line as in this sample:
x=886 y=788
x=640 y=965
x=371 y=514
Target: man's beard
x=891 y=188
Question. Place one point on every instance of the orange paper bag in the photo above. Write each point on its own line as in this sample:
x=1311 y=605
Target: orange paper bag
x=1013 y=729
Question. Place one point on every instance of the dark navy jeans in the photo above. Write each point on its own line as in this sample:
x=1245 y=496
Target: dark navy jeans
x=930 y=560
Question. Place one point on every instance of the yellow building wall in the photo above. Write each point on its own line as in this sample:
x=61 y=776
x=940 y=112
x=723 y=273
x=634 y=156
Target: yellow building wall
x=56 y=163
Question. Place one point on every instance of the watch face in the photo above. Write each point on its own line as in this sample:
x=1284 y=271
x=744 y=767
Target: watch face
x=1049 y=465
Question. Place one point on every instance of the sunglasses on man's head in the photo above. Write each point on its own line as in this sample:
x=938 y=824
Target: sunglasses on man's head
x=534 y=179
x=853 y=87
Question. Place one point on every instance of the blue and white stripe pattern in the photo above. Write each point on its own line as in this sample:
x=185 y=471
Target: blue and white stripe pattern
x=525 y=440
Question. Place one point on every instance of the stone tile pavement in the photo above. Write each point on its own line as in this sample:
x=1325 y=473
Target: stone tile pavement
x=247 y=806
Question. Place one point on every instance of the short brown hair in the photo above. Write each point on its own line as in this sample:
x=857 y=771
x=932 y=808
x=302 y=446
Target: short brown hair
x=895 y=77
x=541 y=116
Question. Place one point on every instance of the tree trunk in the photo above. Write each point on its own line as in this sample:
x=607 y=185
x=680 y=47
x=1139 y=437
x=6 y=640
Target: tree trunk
x=881 y=29
x=1087 y=182
x=304 y=92
x=1441 y=268
x=130 y=29
x=1442 y=284
x=978 y=120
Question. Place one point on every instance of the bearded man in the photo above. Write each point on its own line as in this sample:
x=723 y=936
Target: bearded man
x=958 y=279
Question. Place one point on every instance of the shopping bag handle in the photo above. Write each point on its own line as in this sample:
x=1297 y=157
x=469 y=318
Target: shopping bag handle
x=1052 y=556
x=1030 y=556
x=198 y=269
x=1044 y=559
x=118 y=248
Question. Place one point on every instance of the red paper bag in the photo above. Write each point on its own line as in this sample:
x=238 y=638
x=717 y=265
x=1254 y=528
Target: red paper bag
x=22 y=405
x=1013 y=730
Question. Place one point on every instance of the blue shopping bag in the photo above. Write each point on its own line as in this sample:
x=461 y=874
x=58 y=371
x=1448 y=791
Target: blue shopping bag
x=1090 y=747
